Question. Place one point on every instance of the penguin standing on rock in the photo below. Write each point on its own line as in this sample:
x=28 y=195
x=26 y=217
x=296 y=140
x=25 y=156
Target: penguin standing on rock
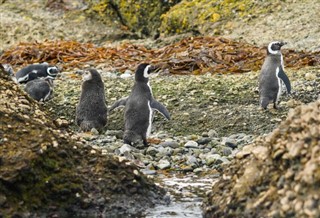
x=40 y=89
x=139 y=107
x=35 y=71
x=272 y=76
x=91 y=111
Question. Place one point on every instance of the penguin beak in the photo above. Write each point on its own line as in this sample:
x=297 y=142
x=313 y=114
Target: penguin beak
x=282 y=44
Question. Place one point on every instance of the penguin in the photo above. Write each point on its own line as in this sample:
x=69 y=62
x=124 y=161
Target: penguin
x=35 y=71
x=91 y=111
x=40 y=89
x=272 y=79
x=139 y=107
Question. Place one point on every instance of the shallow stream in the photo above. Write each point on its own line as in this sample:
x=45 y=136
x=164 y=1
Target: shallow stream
x=185 y=192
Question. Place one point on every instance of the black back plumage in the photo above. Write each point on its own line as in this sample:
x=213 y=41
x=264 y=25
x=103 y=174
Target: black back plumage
x=91 y=111
x=35 y=71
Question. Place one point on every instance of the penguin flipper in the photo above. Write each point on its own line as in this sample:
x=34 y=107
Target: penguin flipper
x=120 y=103
x=285 y=79
x=161 y=108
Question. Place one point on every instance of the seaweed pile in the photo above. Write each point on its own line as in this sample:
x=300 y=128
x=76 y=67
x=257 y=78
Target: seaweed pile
x=193 y=55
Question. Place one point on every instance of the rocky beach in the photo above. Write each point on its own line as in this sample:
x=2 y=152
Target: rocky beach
x=203 y=159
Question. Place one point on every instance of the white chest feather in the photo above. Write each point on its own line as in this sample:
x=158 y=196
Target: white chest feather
x=150 y=88
x=150 y=119
x=279 y=83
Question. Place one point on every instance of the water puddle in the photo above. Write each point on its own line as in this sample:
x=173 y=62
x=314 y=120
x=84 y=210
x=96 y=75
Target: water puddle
x=186 y=193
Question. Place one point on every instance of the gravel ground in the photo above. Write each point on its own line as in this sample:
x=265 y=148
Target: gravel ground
x=213 y=117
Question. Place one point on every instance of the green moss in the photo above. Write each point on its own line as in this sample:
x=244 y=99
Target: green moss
x=201 y=15
x=139 y=16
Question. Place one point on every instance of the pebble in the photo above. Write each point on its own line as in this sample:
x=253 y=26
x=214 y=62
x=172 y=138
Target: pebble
x=170 y=143
x=204 y=141
x=125 y=148
x=229 y=142
x=212 y=133
x=163 y=164
x=191 y=144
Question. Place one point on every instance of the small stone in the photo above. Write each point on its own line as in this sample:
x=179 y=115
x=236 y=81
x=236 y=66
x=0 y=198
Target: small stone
x=261 y=152
x=310 y=76
x=213 y=159
x=229 y=142
x=104 y=152
x=163 y=164
x=61 y=122
x=192 y=161
x=170 y=143
x=125 y=148
x=198 y=170
x=191 y=144
x=148 y=172
x=94 y=131
x=93 y=151
x=55 y=144
x=225 y=151
x=212 y=133
x=127 y=74
x=204 y=141
x=152 y=151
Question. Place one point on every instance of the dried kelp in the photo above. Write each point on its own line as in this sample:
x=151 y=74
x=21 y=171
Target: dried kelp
x=193 y=55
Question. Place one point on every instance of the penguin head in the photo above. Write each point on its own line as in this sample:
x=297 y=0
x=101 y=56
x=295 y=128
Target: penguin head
x=52 y=71
x=274 y=47
x=143 y=72
x=91 y=75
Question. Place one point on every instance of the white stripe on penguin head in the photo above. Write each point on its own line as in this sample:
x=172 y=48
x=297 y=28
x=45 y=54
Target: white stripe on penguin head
x=145 y=72
x=51 y=68
x=270 y=49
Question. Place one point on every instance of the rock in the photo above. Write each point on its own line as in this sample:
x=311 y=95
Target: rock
x=164 y=151
x=192 y=161
x=203 y=141
x=310 y=76
x=224 y=151
x=61 y=122
x=229 y=142
x=94 y=131
x=212 y=133
x=148 y=172
x=152 y=151
x=126 y=75
x=163 y=164
x=211 y=159
x=191 y=144
x=125 y=148
x=170 y=143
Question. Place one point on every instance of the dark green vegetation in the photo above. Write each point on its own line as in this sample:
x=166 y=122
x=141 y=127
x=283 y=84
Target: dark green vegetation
x=43 y=171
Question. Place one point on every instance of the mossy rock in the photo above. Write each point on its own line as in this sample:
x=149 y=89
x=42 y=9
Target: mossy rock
x=142 y=17
x=43 y=171
x=207 y=16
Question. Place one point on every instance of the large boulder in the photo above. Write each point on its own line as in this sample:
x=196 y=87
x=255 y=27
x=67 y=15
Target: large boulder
x=44 y=172
x=277 y=176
